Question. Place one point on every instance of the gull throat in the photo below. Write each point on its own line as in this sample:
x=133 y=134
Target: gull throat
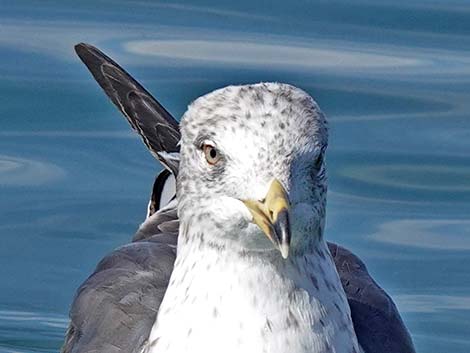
x=220 y=300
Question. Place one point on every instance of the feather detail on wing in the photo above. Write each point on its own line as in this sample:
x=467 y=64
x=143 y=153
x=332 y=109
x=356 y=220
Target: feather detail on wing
x=377 y=322
x=155 y=125
x=115 y=308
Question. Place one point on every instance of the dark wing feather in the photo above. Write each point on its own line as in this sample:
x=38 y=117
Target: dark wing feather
x=377 y=322
x=115 y=308
x=163 y=191
x=157 y=128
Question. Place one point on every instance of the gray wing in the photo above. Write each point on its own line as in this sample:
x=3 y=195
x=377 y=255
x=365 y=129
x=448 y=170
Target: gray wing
x=115 y=308
x=377 y=322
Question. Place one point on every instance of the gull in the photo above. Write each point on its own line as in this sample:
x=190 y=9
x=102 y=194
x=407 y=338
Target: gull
x=233 y=257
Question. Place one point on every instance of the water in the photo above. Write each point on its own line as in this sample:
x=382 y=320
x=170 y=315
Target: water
x=392 y=77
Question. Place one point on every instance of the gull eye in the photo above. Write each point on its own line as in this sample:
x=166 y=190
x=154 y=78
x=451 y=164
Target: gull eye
x=211 y=153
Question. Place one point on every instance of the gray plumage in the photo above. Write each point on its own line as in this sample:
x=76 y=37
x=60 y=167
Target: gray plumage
x=377 y=322
x=115 y=308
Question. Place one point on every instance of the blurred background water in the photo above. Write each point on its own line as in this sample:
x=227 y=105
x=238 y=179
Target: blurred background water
x=392 y=76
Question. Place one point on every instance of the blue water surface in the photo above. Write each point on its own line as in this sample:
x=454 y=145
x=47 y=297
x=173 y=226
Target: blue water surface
x=392 y=76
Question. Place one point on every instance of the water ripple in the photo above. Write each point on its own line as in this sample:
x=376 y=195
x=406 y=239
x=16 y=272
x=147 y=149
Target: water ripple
x=28 y=331
x=45 y=319
x=429 y=303
x=253 y=53
x=446 y=234
x=411 y=176
x=15 y=171
x=396 y=61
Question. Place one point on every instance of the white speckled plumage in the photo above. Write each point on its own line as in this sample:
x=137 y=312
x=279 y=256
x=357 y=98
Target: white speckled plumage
x=230 y=290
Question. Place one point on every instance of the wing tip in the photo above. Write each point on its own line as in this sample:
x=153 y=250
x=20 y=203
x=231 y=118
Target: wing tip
x=81 y=46
x=83 y=50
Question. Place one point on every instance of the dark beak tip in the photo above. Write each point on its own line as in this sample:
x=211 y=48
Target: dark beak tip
x=282 y=232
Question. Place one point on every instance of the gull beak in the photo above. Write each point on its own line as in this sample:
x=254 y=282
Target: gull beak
x=272 y=216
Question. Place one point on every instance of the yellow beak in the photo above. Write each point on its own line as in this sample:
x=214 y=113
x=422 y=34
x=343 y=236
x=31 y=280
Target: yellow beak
x=272 y=216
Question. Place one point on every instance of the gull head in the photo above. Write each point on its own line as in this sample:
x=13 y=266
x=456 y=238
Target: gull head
x=252 y=174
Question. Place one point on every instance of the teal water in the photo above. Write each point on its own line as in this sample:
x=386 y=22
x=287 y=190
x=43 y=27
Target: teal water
x=392 y=76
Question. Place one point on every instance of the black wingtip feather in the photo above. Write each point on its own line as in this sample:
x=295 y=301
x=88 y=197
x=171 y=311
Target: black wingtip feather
x=157 y=127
